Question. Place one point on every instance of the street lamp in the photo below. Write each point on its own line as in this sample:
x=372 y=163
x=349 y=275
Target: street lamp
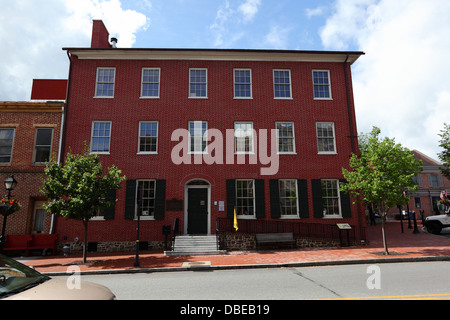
x=10 y=185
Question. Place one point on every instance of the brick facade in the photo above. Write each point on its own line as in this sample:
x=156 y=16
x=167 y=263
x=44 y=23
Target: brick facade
x=26 y=118
x=173 y=109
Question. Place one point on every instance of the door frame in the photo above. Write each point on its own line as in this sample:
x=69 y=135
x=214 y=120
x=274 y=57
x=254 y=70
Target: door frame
x=208 y=205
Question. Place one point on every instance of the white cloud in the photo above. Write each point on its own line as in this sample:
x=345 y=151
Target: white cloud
x=277 y=38
x=33 y=33
x=401 y=85
x=249 y=9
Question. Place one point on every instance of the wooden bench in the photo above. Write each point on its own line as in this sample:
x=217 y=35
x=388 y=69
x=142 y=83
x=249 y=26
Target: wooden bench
x=31 y=242
x=275 y=239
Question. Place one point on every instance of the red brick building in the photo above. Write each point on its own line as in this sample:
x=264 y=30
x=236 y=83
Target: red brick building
x=29 y=134
x=204 y=132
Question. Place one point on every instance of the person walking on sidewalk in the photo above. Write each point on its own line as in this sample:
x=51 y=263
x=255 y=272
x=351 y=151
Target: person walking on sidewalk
x=372 y=216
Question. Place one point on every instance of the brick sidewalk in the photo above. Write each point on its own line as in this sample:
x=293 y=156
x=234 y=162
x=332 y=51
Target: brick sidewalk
x=401 y=246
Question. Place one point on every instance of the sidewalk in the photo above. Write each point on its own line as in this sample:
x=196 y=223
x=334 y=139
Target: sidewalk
x=403 y=247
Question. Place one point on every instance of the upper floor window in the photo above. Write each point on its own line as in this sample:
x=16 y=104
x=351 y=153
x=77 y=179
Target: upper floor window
x=150 y=83
x=243 y=137
x=101 y=136
x=282 y=84
x=148 y=137
x=435 y=181
x=285 y=132
x=198 y=83
x=43 y=145
x=325 y=137
x=104 y=86
x=242 y=83
x=321 y=82
x=197 y=136
x=6 y=144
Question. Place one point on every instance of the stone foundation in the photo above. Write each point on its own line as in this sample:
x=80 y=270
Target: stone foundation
x=126 y=246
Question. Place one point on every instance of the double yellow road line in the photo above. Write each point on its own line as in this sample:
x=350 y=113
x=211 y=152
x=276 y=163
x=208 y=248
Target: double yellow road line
x=437 y=296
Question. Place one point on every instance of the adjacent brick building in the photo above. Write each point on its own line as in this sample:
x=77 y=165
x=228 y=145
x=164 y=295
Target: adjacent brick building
x=29 y=134
x=179 y=122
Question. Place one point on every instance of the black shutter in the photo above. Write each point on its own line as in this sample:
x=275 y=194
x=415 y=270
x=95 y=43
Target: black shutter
x=346 y=205
x=160 y=199
x=302 y=186
x=275 y=211
x=109 y=212
x=130 y=199
x=317 y=198
x=231 y=198
x=260 y=206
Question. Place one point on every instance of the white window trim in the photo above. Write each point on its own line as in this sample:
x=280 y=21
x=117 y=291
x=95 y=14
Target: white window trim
x=142 y=84
x=135 y=201
x=248 y=217
x=252 y=145
x=234 y=84
x=329 y=84
x=96 y=83
x=139 y=138
x=204 y=137
x=334 y=216
x=297 y=216
x=293 y=138
x=190 y=94
x=12 y=147
x=334 y=140
x=290 y=85
x=92 y=137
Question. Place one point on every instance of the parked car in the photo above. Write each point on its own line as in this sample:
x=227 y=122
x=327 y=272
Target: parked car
x=20 y=282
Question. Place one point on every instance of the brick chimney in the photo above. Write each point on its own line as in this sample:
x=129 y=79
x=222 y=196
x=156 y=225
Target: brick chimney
x=100 y=35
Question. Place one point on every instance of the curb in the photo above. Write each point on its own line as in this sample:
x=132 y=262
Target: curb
x=256 y=266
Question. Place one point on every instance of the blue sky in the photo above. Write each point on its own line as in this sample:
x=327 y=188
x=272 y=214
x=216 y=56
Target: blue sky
x=401 y=85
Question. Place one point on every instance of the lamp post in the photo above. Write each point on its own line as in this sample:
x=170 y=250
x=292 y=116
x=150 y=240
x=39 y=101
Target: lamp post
x=10 y=184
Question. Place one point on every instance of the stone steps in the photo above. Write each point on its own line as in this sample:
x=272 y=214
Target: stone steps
x=194 y=245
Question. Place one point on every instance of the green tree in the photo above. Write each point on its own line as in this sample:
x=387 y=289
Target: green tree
x=381 y=174
x=444 y=156
x=79 y=188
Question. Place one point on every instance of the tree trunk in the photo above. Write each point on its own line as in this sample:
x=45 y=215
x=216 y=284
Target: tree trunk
x=383 y=231
x=85 y=222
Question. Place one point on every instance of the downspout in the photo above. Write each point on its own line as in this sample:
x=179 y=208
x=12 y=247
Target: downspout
x=352 y=133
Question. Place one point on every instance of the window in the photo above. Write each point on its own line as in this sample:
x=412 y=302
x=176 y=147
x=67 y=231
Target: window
x=325 y=137
x=245 y=198
x=101 y=136
x=288 y=198
x=285 y=132
x=6 y=144
x=198 y=83
x=321 y=82
x=243 y=137
x=105 y=82
x=331 y=198
x=43 y=145
x=148 y=137
x=146 y=193
x=197 y=136
x=282 y=84
x=242 y=83
x=150 y=83
x=435 y=181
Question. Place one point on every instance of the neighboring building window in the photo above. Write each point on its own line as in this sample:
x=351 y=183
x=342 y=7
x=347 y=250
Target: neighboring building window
x=243 y=137
x=288 y=198
x=148 y=137
x=101 y=136
x=417 y=202
x=198 y=83
x=245 y=198
x=146 y=193
x=326 y=137
x=321 y=82
x=242 y=83
x=105 y=82
x=197 y=136
x=282 y=84
x=331 y=198
x=286 y=142
x=6 y=144
x=150 y=83
x=434 y=181
x=43 y=145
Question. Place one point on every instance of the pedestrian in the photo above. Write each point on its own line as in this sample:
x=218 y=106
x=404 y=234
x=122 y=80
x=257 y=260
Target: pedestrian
x=372 y=216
